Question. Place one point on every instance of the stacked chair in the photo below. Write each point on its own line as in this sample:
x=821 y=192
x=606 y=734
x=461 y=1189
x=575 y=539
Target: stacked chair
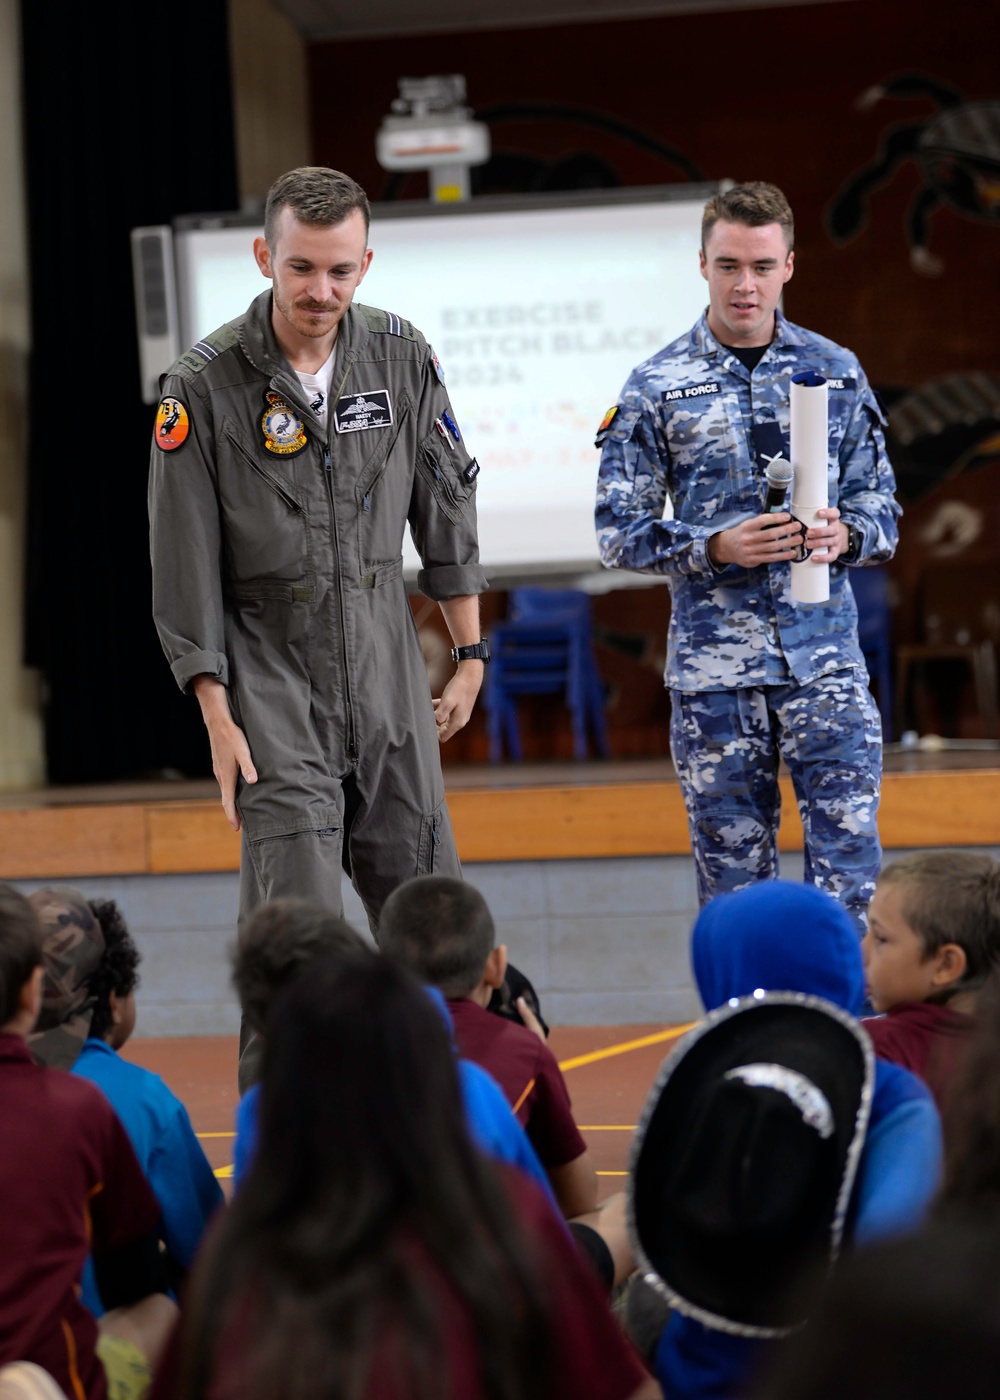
x=545 y=647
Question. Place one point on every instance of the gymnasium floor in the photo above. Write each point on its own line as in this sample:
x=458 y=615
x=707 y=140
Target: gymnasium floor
x=608 y=1069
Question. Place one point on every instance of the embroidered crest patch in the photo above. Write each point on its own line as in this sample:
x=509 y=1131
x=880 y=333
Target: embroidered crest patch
x=172 y=425
x=355 y=413
x=282 y=427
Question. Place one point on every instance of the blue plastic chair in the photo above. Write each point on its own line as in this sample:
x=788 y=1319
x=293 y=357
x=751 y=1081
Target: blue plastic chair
x=871 y=593
x=545 y=647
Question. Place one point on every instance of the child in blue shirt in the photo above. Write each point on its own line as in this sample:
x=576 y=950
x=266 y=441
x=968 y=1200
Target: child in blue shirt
x=153 y=1117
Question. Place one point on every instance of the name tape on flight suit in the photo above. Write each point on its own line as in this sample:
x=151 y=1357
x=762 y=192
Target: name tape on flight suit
x=355 y=413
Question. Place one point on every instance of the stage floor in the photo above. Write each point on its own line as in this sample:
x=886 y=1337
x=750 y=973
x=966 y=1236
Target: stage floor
x=959 y=756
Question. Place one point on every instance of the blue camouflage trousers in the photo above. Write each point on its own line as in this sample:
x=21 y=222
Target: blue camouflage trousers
x=726 y=747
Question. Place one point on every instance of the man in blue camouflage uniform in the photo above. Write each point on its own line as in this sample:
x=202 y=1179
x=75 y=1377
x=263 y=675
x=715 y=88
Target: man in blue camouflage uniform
x=753 y=677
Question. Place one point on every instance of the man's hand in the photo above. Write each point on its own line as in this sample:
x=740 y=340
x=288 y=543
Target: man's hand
x=830 y=537
x=230 y=750
x=764 y=539
x=454 y=707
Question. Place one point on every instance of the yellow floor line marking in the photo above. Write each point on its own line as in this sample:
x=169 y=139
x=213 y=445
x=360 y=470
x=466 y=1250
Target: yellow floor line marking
x=606 y=1127
x=609 y=1050
x=214 y=1135
x=224 y=1172
x=599 y=1173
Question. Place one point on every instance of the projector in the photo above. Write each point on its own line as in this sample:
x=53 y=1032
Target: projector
x=430 y=128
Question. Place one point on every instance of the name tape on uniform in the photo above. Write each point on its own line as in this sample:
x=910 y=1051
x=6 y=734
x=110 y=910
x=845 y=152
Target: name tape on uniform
x=691 y=391
x=356 y=413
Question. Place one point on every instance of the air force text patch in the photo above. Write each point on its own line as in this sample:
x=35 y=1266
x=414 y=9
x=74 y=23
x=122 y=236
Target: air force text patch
x=690 y=391
x=356 y=412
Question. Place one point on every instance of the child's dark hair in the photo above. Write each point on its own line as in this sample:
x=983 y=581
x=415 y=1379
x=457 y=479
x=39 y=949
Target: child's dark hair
x=368 y=1217
x=275 y=942
x=20 y=948
x=118 y=969
x=952 y=897
x=441 y=929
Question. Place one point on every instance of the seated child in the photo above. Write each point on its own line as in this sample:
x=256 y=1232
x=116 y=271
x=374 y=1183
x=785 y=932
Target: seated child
x=441 y=929
x=281 y=937
x=776 y=936
x=933 y=938
x=372 y=1251
x=156 y=1121
x=70 y=1183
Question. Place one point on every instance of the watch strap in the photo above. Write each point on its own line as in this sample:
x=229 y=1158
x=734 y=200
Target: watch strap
x=475 y=651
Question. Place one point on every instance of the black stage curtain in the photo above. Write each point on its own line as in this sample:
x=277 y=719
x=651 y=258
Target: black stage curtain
x=128 y=121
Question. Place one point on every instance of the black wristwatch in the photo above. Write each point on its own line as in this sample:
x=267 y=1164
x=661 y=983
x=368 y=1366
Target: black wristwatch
x=855 y=540
x=477 y=651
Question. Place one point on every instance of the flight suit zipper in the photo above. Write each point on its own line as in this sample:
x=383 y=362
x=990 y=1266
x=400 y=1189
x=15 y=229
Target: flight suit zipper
x=352 y=741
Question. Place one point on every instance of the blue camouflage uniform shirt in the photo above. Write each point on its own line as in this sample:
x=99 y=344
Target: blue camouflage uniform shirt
x=683 y=431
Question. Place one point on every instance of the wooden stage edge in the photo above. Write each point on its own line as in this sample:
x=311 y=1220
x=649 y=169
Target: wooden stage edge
x=545 y=822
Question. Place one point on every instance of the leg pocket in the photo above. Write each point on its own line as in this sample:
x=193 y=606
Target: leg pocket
x=436 y=853
x=302 y=862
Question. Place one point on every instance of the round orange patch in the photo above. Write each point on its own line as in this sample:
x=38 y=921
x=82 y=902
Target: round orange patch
x=172 y=425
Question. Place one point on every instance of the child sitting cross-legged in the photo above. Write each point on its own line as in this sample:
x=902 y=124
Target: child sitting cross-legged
x=933 y=938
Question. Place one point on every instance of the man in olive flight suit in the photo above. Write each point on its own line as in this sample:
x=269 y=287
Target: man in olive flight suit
x=291 y=448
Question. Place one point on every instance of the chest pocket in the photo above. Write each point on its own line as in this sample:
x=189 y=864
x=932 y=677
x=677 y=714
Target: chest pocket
x=383 y=487
x=264 y=516
x=712 y=472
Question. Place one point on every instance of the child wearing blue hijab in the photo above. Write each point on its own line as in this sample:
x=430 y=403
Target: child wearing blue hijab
x=782 y=937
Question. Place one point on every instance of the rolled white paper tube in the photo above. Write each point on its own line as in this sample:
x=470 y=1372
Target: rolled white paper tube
x=809 y=434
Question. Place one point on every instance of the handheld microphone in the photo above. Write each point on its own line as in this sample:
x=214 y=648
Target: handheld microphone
x=779 y=478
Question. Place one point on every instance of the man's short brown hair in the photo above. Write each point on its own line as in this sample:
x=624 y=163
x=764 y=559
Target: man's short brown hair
x=951 y=897
x=754 y=204
x=316 y=195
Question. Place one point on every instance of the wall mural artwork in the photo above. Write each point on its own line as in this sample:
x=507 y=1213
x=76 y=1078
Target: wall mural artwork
x=957 y=150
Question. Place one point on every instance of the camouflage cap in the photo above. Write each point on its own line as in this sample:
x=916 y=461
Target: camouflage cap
x=72 y=947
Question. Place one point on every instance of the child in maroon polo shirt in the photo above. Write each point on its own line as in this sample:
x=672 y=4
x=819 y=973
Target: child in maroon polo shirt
x=442 y=930
x=69 y=1182
x=933 y=938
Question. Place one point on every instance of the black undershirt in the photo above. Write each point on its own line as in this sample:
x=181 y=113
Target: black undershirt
x=748 y=355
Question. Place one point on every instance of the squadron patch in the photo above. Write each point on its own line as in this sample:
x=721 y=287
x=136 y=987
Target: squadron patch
x=355 y=413
x=437 y=367
x=608 y=418
x=172 y=425
x=282 y=427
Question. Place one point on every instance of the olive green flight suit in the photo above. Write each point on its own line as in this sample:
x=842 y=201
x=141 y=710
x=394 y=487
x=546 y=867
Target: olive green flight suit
x=277 y=568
